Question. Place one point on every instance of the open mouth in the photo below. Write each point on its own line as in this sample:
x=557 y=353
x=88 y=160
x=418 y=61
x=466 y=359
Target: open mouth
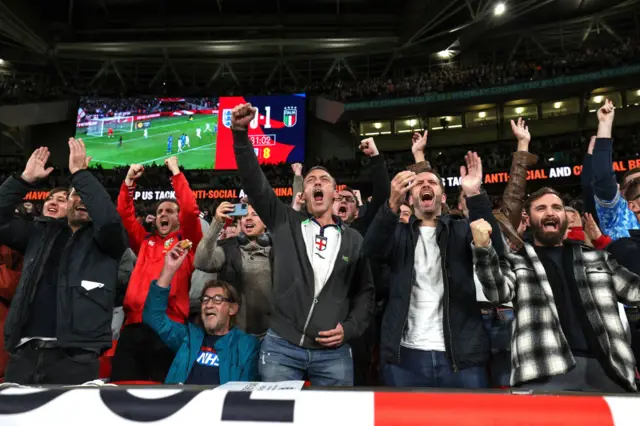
x=164 y=223
x=342 y=210
x=210 y=314
x=52 y=210
x=426 y=196
x=318 y=195
x=550 y=225
x=81 y=208
x=250 y=226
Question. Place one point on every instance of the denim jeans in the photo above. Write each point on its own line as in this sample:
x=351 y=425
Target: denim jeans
x=431 y=369
x=281 y=360
x=498 y=322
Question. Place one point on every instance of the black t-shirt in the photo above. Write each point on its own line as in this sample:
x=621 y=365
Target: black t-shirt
x=43 y=310
x=567 y=300
x=206 y=368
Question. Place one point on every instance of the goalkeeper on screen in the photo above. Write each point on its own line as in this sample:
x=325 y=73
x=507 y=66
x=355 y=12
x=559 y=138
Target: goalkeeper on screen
x=169 y=144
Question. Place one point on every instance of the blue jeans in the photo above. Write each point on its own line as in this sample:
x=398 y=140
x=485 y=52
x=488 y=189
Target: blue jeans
x=498 y=325
x=281 y=360
x=431 y=369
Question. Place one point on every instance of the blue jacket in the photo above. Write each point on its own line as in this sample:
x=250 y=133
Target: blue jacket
x=238 y=351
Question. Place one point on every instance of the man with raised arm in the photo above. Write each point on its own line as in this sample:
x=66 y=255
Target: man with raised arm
x=432 y=330
x=614 y=214
x=60 y=317
x=141 y=354
x=322 y=286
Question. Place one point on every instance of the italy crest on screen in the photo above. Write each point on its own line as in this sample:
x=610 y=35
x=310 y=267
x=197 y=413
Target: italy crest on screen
x=290 y=116
x=226 y=118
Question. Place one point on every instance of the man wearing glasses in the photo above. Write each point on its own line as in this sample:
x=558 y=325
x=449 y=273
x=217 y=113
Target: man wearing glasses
x=212 y=351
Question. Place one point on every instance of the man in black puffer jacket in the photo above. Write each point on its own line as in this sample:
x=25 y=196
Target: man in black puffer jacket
x=60 y=318
x=432 y=330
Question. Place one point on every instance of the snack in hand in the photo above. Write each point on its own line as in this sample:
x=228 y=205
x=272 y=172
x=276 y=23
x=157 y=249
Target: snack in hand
x=185 y=244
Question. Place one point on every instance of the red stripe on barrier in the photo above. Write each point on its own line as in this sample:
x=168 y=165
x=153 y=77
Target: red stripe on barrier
x=419 y=409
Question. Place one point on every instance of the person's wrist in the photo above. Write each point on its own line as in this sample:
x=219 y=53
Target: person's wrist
x=27 y=177
x=394 y=206
x=472 y=192
x=129 y=181
x=238 y=128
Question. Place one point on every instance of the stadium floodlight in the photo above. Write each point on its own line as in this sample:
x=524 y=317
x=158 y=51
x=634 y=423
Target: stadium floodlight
x=499 y=9
x=597 y=99
x=638 y=93
x=377 y=125
x=519 y=110
x=411 y=122
x=557 y=105
x=445 y=54
x=1 y=61
x=482 y=114
x=99 y=126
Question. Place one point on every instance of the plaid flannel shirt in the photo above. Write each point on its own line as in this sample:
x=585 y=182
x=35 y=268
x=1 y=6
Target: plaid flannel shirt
x=538 y=345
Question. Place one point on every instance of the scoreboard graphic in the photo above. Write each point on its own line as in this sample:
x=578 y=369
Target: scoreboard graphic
x=278 y=131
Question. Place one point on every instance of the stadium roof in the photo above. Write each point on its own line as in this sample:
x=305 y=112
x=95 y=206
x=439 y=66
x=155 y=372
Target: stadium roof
x=201 y=43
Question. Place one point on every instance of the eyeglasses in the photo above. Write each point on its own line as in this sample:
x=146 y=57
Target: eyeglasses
x=348 y=199
x=217 y=299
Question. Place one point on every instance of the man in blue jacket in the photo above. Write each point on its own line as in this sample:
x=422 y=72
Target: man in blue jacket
x=212 y=352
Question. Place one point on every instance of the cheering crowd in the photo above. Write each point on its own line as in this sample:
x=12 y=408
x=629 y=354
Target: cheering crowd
x=401 y=291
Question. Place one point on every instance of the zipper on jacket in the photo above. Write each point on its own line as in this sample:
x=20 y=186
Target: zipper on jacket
x=413 y=281
x=306 y=324
x=445 y=276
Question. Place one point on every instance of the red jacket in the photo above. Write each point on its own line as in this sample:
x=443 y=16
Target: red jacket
x=152 y=248
x=10 y=271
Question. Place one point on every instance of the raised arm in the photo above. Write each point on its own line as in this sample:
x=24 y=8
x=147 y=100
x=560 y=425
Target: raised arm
x=189 y=211
x=477 y=200
x=514 y=194
x=209 y=257
x=379 y=239
x=614 y=215
x=108 y=232
x=127 y=211
x=298 y=181
x=15 y=232
x=586 y=180
x=418 y=145
x=155 y=307
x=495 y=275
x=268 y=206
x=380 y=182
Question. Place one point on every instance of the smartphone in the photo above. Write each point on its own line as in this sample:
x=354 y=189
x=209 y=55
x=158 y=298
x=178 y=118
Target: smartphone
x=239 y=210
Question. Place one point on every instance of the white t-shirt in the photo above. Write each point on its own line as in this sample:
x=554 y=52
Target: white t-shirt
x=322 y=246
x=425 y=321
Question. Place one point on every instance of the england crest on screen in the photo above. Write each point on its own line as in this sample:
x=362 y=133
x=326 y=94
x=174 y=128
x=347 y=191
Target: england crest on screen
x=290 y=116
x=226 y=117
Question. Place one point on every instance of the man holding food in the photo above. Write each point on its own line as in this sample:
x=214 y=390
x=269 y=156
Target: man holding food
x=140 y=353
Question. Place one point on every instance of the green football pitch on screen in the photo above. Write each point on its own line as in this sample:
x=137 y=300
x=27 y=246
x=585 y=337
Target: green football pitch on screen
x=137 y=149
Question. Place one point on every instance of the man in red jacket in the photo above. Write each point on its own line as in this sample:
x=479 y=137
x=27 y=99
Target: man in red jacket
x=140 y=354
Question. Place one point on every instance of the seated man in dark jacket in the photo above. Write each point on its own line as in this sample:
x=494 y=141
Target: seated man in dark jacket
x=432 y=330
x=60 y=317
x=212 y=352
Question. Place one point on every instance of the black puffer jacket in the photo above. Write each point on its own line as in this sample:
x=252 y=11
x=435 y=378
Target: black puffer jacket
x=88 y=268
x=466 y=340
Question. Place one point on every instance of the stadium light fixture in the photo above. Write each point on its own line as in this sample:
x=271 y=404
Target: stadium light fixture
x=557 y=105
x=1 y=61
x=519 y=110
x=447 y=118
x=482 y=114
x=597 y=99
x=638 y=93
x=377 y=125
x=499 y=9
x=411 y=122
x=445 y=54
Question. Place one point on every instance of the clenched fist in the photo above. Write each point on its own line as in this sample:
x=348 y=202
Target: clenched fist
x=481 y=230
x=400 y=185
x=297 y=169
x=172 y=165
x=368 y=147
x=135 y=171
x=241 y=116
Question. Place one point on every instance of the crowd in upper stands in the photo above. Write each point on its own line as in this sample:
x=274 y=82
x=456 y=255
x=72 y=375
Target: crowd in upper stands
x=445 y=77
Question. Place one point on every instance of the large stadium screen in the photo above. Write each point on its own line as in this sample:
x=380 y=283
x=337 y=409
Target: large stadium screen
x=123 y=131
x=277 y=132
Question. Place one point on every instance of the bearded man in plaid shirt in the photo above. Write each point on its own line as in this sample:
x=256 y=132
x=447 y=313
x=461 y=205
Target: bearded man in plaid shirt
x=567 y=333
